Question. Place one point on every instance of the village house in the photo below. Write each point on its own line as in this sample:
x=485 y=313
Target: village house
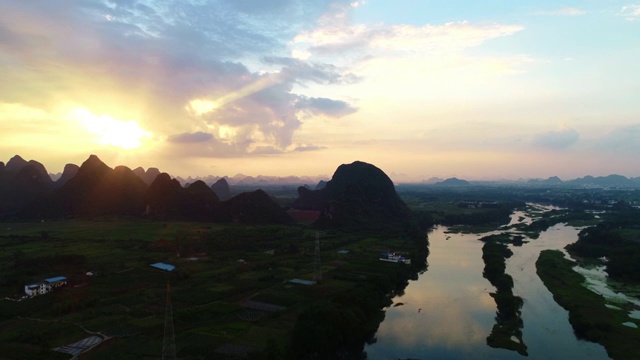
x=45 y=286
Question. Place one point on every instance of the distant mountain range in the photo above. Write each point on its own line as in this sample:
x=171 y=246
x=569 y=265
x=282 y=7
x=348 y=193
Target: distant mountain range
x=246 y=180
x=610 y=181
x=94 y=190
x=220 y=184
x=357 y=194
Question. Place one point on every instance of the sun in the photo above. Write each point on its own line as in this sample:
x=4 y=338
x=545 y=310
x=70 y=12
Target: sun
x=112 y=132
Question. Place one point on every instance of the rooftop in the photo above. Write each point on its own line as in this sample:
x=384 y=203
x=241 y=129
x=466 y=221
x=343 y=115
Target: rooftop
x=163 y=266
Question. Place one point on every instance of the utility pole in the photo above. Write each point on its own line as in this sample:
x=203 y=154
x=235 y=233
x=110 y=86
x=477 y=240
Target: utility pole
x=169 y=342
x=317 y=267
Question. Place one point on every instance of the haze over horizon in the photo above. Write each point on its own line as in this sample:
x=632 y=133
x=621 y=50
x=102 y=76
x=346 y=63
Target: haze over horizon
x=420 y=89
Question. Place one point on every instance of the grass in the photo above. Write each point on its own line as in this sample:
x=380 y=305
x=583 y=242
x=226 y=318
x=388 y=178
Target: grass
x=126 y=297
x=590 y=318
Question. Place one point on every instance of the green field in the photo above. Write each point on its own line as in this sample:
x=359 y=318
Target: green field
x=218 y=269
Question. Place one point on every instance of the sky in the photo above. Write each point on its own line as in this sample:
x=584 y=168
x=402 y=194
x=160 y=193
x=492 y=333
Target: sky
x=478 y=90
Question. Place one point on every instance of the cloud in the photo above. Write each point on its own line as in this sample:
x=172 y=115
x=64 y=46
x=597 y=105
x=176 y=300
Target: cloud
x=305 y=148
x=195 y=137
x=297 y=70
x=267 y=150
x=325 y=106
x=565 y=11
x=630 y=12
x=260 y=6
x=556 y=140
x=213 y=147
x=187 y=70
x=404 y=39
x=625 y=139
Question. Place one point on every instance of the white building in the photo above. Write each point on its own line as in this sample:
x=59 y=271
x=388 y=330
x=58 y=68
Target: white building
x=37 y=289
x=45 y=286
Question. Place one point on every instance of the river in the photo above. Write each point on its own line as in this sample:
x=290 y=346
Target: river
x=449 y=312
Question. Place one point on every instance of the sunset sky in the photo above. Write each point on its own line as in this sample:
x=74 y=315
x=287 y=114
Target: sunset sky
x=473 y=89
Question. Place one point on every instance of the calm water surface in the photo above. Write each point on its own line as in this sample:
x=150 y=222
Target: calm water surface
x=448 y=312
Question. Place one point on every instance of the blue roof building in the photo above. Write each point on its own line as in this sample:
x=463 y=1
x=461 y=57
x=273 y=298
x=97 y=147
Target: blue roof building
x=163 y=266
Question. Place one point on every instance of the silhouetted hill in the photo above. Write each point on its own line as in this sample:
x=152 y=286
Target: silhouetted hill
x=453 y=182
x=199 y=202
x=613 y=180
x=553 y=180
x=96 y=190
x=222 y=189
x=310 y=199
x=147 y=176
x=163 y=197
x=256 y=182
x=357 y=194
x=121 y=192
x=255 y=207
x=70 y=170
x=432 y=180
x=32 y=178
x=40 y=169
x=167 y=199
x=321 y=185
x=15 y=164
x=140 y=172
x=22 y=182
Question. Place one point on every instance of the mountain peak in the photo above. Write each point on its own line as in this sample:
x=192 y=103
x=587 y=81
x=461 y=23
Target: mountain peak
x=453 y=182
x=199 y=186
x=222 y=189
x=93 y=162
x=253 y=207
x=147 y=176
x=15 y=164
x=358 y=193
x=70 y=170
x=321 y=185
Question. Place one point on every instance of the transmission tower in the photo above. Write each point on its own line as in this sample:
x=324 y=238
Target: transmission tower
x=169 y=342
x=317 y=267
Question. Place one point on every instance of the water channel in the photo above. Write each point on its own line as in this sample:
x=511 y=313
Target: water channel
x=448 y=313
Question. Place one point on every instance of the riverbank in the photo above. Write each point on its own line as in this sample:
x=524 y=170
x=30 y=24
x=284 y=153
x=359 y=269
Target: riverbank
x=589 y=316
x=452 y=310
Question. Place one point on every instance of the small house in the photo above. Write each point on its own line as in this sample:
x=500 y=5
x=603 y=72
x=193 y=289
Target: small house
x=39 y=288
x=45 y=286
